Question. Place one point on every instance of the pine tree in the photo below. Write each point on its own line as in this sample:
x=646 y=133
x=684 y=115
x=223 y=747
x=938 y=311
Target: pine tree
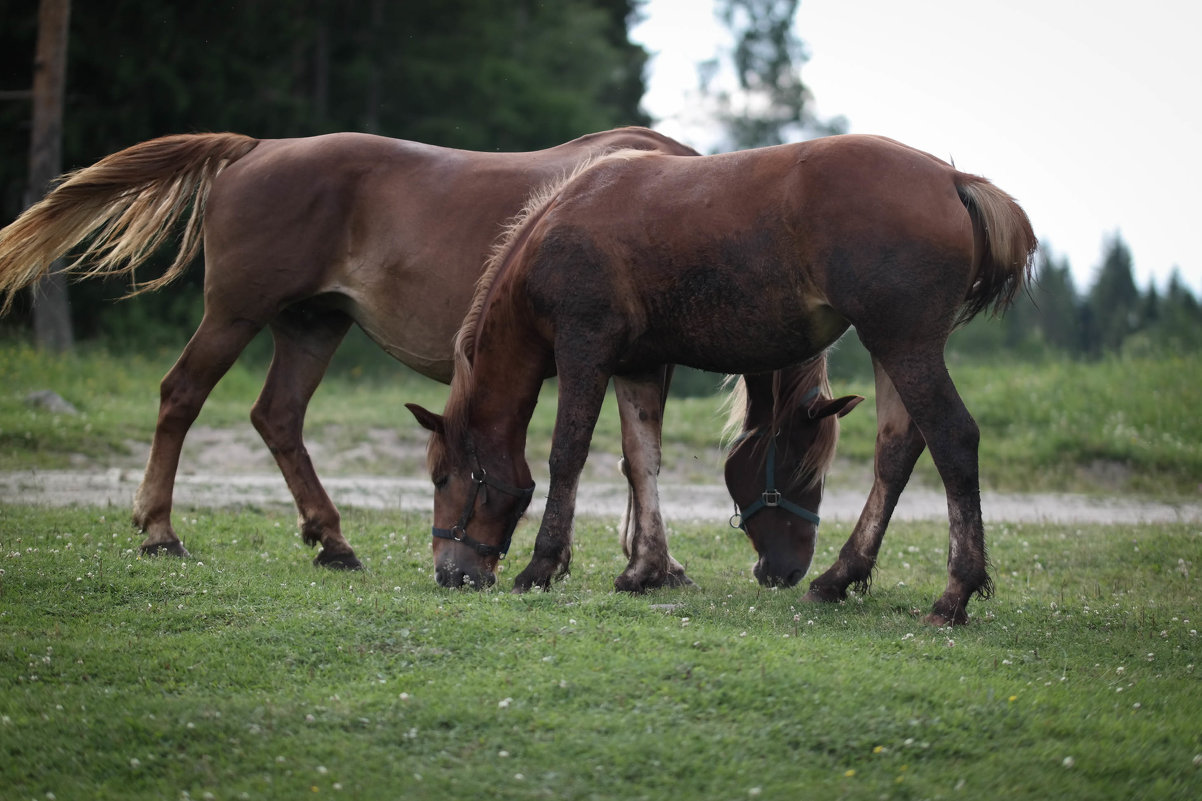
x=1114 y=300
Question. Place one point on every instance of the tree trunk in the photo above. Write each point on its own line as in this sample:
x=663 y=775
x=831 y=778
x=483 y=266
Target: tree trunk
x=51 y=308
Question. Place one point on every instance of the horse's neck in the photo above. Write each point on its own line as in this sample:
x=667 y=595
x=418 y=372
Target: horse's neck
x=507 y=385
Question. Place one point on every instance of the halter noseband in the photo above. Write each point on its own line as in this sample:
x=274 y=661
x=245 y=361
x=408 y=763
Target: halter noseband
x=771 y=497
x=458 y=532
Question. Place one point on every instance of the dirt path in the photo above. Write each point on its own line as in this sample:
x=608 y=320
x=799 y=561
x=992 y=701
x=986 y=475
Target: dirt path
x=230 y=468
x=708 y=502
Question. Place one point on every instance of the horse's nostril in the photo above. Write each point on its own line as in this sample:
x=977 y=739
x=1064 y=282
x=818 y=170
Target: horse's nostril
x=794 y=577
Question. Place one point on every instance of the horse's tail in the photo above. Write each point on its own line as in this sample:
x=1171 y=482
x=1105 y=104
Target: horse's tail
x=1005 y=246
x=127 y=203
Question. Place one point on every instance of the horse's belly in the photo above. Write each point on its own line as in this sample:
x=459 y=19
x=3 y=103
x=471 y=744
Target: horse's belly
x=424 y=343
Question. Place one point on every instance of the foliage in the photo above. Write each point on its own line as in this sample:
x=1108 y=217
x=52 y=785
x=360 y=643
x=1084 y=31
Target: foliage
x=769 y=106
x=247 y=673
x=459 y=73
x=471 y=74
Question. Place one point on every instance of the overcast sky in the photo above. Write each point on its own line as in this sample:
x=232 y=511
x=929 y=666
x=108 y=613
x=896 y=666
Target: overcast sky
x=1090 y=114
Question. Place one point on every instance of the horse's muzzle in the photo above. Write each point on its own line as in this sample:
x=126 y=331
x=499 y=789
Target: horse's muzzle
x=454 y=576
x=770 y=575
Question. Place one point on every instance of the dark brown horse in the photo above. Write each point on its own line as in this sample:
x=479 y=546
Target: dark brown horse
x=740 y=263
x=305 y=236
x=784 y=427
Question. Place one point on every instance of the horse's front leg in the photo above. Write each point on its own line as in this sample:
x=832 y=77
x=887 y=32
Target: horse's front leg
x=898 y=446
x=641 y=400
x=581 y=393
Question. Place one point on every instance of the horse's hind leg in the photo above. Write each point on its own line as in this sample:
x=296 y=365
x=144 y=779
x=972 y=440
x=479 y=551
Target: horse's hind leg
x=213 y=348
x=305 y=341
x=641 y=402
x=952 y=435
x=898 y=446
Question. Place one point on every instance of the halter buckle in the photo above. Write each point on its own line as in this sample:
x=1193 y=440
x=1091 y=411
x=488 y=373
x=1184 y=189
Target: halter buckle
x=771 y=498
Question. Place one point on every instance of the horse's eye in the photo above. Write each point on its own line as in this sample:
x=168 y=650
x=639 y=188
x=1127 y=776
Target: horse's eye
x=441 y=482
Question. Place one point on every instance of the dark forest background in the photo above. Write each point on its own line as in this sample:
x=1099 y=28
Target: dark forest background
x=478 y=74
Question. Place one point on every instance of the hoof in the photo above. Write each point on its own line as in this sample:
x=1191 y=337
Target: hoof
x=337 y=561
x=947 y=612
x=175 y=548
x=820 y=596
x=679 y=579
x=940 y=621
x=636 y=584
x=525 y=583
x=540 y=574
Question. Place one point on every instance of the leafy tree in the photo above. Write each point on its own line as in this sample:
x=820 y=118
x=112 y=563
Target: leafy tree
x=475 y=74
x=770 y=106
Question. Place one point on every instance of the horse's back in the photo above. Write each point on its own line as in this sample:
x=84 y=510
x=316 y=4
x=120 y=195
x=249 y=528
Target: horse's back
x=810 y=237
x=394 y=233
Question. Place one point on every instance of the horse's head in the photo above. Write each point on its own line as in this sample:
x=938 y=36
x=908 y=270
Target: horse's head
x=475 y=510
x=776 y=480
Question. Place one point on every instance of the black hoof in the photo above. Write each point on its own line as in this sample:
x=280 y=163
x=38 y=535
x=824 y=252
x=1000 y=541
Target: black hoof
x=337 y=561
x=637 y=585
x=166 y=549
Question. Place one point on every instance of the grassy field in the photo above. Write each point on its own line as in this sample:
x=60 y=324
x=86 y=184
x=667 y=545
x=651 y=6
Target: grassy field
x=246 y=673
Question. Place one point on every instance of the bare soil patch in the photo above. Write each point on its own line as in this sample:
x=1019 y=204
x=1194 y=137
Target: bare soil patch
x=386 y=469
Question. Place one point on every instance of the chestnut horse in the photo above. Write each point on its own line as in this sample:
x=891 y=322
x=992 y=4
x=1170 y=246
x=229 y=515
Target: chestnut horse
x=304 y=236
x=783 y=428
x=745 y=263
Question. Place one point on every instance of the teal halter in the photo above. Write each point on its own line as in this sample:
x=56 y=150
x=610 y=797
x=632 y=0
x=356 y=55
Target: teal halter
x=771 y=497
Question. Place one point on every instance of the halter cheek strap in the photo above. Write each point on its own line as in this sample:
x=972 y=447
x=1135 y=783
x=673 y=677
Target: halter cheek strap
x=771 y=497
x=458 y=532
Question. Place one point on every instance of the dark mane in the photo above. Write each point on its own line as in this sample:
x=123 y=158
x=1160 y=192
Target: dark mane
x=507 y=246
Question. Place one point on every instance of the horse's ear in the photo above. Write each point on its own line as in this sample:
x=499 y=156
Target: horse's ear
x=428 y=420
x=835 y=406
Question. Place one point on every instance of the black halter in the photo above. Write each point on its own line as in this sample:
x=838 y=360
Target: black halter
x=771 y=497
x=458 y=532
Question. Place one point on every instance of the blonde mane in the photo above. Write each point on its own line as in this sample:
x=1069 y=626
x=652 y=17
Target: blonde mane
x=789 y=389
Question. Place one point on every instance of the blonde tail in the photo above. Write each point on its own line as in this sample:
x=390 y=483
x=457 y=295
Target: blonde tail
x=127 y=203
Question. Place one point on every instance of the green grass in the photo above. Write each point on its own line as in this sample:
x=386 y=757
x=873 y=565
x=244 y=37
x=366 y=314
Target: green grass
x=246 y=673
